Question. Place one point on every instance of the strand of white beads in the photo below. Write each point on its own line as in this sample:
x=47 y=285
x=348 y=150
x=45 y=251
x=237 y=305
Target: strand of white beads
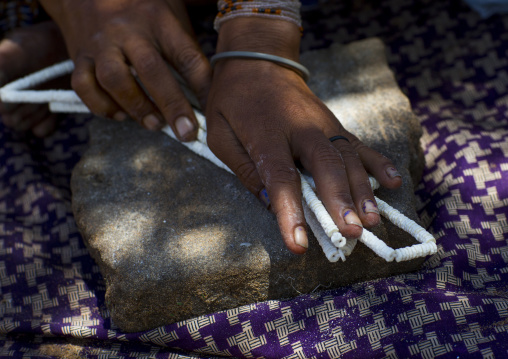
x=415 y=251
x=374 y=183
x=404 y=223
x=332 y=253
x=321 y=214
x=199 y=148
x=377 y=246
x=350 y=245
x=336 y=238
x=68 y=107
x=15 y=91
x=400 y=220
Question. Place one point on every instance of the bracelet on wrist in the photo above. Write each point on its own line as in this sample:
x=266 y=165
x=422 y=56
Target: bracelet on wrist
x=302 y=70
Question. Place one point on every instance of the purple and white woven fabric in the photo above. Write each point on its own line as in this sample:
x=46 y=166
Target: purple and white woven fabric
x=16 y=13
x=453 y=66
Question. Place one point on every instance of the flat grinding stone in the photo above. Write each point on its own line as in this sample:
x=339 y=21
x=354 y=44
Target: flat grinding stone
x=176 y=237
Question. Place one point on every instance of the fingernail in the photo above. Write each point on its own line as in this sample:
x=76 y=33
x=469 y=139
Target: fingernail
x=184 y=126
x=120 y=116
x=151 y=122
x=301 y=237
x=350 y=217
x=392 y=172
x=369 y=206
x=263 y=197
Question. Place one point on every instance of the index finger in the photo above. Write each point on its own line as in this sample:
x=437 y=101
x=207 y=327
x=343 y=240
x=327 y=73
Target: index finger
x=186 y=57
x=278 y=172
x=163 y=88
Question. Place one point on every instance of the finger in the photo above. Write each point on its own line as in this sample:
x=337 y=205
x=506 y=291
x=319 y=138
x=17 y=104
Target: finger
x=6 y=109
x=115 y=77
x=359 y=185
x=282 y=182
x=186 y=57
x=46 y=127
x=11 y=67
x=328 y=168
x=378 y=165
x=84 y=82
x=26 y=116
x=225 y=145
x=165 y=91
x=277 y=174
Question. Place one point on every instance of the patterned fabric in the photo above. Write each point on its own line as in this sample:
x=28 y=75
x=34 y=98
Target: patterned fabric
x=453 y=66
x=16 y=13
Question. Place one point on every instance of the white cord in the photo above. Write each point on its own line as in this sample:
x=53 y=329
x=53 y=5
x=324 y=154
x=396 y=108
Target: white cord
x=331 y=251
x=334 y=245
x=68 y=107
x=377 y=245
x=401 y=221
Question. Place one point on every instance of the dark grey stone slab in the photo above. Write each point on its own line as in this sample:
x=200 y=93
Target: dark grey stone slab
x=175 y=237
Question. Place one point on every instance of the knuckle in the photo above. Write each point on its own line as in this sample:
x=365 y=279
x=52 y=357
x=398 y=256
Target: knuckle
x=323 y=152
x=343 y=195
x=188 y=60
x=138 y=108
x=363 y=188
x=173 y=103
x=81 y=81
x=147 y=63
x=358 y=145
x=278 y=172
x=348 y=152
x=109 y=74
x=245 y=171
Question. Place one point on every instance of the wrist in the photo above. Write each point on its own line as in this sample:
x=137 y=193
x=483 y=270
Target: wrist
x=269 y=36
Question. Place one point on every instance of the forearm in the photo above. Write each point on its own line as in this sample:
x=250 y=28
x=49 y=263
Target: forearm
x=271 y=36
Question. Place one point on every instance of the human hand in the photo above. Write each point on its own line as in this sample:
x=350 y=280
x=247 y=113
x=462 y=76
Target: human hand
x=22 y=51
x=106 y=38
x=262 y=117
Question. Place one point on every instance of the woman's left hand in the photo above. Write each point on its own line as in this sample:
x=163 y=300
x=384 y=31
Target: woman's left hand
x=262 y=118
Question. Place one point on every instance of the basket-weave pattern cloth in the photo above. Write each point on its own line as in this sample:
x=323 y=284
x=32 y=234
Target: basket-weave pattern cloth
x=19 y=13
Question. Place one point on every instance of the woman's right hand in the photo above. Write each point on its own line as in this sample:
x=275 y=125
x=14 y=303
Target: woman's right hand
x=107 y=39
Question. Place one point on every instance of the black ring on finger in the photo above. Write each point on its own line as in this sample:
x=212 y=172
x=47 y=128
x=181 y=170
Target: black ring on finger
x=335 y=138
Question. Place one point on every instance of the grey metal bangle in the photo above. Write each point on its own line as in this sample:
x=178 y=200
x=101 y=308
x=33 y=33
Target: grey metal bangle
x=261 y=56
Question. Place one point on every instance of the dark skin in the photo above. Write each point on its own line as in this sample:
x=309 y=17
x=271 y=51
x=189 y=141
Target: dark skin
x=260 y=131
x=106 y=38
x=261 y=117
x=23 y=51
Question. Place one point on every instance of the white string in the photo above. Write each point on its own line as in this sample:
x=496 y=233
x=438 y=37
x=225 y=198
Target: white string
x=322 y=215
x=199 y=148
x=350 y=245
x=334 y=245
x=67 y=107
x=377 y=245
x=40 y=77
x=404 y=223
x=415 y=251
x=401 y=221
x=329 y=249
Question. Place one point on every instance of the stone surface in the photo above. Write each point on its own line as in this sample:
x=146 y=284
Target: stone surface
x=176 y=237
